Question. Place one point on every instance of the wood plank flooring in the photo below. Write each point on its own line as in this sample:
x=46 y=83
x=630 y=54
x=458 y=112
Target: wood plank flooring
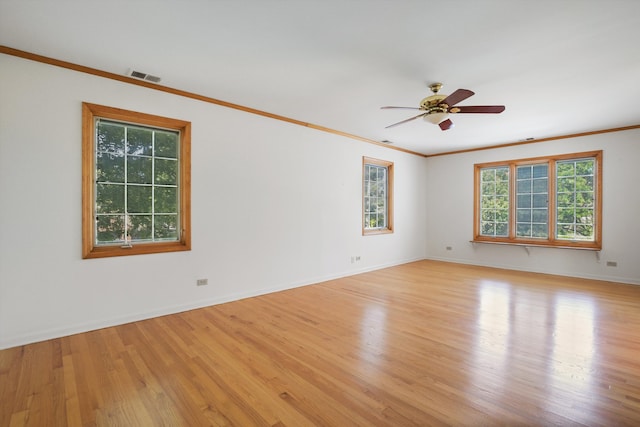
x=426 y=343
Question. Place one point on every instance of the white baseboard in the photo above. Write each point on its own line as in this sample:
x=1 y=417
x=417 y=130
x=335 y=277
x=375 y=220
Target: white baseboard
x=47 y=334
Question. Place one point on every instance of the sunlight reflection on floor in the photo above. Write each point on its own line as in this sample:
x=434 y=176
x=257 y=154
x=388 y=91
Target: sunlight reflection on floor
x=512 y=337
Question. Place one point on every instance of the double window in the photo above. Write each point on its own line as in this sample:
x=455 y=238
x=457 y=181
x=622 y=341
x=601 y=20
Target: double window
x=136 y=175
x=553 y=201
x=377 y=215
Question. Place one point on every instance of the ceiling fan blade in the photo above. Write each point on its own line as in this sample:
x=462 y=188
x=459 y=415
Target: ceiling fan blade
x=478 y=109
x=405 y=121
x=403 y=108
x=446 y=124
x=457 y=96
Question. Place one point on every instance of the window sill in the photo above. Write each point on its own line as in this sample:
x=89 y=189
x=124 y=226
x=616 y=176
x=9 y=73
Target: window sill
x=377 y=231
x=528 y=246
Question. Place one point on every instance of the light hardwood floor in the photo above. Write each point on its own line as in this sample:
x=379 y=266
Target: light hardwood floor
x=426 y=343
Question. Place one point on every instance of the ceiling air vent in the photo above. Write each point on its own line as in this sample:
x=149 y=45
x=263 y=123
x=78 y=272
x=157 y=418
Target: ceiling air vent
x=143 y=76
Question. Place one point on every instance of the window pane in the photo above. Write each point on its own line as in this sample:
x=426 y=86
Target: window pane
x=139 y=141
x=540 y=185
x=524 y=186
x=109 y=138
x=109 y=198
x=109 y=167
x=502 y=188
x=139 y=170
x=565 y=169
x=584 y=183
x=585 y=167
x=524 y=172
x=584 y=199
x=584 y=216
x=139 y=199
x=566 y=185
x=566 y=199
x=539 y=230
x=488 y=215
x=540 y=215
x=502 y=229
x=488 y=228
x=502 y=215
x=489 y=188
x=488 y=202
x=502 y=174
x=524 y=201
x=166 y=226
x=524 y=215
x=166 y=172
x=523 y=230
x=540 y=171
x=566 y=231
x=166 y=144
x=488 y=175
x=139 y=227
x=110 y=229
x=502 y=202
x=539 y=200
x=165 y=200
x=584 y=232
x=566 y=216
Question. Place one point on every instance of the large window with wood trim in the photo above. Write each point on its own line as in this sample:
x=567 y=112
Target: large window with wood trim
x=377 y=202
x=549 y=201
x=135 y=183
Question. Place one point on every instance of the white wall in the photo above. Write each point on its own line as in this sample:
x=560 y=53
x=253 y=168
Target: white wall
x=450 y=211
x=274 y=206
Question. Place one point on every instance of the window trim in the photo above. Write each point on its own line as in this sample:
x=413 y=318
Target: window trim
x=551 y=241
x=389 y=166
x=89 y=247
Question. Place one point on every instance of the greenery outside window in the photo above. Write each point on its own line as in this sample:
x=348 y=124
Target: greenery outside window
x=136 y=183
x=377 y=203
x=549 y=201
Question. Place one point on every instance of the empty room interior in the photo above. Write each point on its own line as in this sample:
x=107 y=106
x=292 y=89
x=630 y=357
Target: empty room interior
x=322 y=213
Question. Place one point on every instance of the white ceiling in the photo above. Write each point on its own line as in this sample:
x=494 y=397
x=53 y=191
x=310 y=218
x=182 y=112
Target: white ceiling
x=559 y=66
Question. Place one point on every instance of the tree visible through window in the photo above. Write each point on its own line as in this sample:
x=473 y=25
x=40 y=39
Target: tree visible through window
x=377 y=196
x=553 y=201
x=135 y=183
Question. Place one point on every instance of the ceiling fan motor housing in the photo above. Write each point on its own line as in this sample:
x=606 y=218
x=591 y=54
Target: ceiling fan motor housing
x=435 y=112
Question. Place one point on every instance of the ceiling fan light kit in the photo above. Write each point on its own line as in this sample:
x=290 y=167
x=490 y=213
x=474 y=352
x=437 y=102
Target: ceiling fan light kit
x=438 y=107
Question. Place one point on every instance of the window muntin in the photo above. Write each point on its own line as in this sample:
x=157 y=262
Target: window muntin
x=553 y=201
x=136 y=176
x=377 y=215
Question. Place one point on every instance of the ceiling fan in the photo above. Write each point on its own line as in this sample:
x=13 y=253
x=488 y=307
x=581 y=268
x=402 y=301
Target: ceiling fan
x=436 y=108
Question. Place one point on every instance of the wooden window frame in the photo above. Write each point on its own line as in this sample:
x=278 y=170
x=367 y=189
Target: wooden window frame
x=551 y=241
x=89 y=248
x=389 y=193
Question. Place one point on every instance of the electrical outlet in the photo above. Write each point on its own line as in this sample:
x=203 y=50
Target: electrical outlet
x=202 y=282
